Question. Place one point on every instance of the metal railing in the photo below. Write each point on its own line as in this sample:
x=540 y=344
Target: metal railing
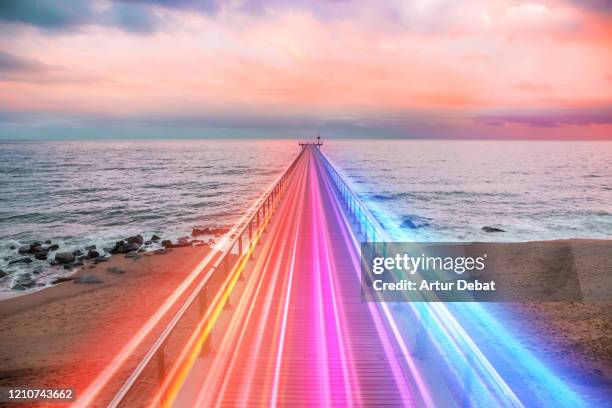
x=367 y=224
x=169 y=351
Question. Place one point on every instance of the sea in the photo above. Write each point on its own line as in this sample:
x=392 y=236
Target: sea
x=80 y=193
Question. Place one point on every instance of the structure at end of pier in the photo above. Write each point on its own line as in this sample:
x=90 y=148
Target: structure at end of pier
x=318 y=143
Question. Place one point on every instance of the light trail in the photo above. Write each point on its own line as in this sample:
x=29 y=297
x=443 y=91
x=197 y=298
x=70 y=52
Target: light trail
x=299 y=334
x=517 y=370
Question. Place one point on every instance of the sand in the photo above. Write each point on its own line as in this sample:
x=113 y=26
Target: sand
x=64 y=335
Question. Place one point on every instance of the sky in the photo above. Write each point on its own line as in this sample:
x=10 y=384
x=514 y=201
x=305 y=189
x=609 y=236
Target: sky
x=452 y=69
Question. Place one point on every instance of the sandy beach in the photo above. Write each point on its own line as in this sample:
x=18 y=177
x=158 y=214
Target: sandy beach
x=64 y=335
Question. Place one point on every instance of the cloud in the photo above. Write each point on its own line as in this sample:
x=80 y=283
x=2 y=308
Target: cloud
x=69 y=15
x=10 y=63
x=598 y=6
x=49 y=14
x=594 y=116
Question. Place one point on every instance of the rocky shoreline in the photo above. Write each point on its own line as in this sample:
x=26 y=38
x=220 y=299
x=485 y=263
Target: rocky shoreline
x=39 y=256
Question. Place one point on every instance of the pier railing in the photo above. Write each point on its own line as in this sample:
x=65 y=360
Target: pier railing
x=188 y=334
x=367 y=224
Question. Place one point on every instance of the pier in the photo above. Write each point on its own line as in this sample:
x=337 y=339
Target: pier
x=275 y=318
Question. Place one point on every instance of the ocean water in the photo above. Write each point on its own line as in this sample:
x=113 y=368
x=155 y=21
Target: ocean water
x=449 y=190
x=83 y=193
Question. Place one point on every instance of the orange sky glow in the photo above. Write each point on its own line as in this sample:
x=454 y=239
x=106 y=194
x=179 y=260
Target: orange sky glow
x=490 y=69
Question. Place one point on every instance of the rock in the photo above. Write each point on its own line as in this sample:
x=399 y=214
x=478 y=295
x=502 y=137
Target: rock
x=148 y=243
x=115 y=269
x=161 y=251
x=41 y=256
x=24 y=249
x=77 y=252
x=25 y=280
x=78 y=263
x=53 y=247
x=60 y=280
x=93 y=254
x=131 y=247
x=155 y=238
x=48 y=242
x=407 y=223
x=166 y=243
x=492 y=229
x=18 y=287
x=89 y=248
x=21 y=261
x=196 y=232
x=3 y=274
x=88 y=278
x=37 y=249
x=53 y=262
x=64 y=257
x=12 y=247
x=132 y=254
x=122 y=247
x=136 y=239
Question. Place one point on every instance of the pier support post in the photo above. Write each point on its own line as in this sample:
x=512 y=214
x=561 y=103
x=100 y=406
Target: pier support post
x=206 y=345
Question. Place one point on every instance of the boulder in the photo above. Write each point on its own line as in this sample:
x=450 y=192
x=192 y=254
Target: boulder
x=24 y=249
x=3 y=274
x=166 y=243
x=60 y=280
x=196 y=232
x=407 y=223
x=492 y=229
x=48 y=242
x=77 y=252
x=155 y=238
x=41 y=256
x=136 y=239
x=20 y=261
x=89 y=248
x=115 y=269
x=88 y=278
x=25 y=280
x=65 y=257
x=53 y=247
x=35 y=247
x=93 y=254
